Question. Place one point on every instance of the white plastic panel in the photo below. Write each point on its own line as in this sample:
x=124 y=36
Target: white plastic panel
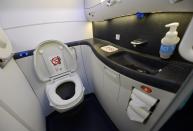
x=18 y=96
x=53 y=58
x=186 y=45
x=27 y=23
x=9 y=123
x=111 y=87
x=27 y=67
x=96 y=76
x=29 y=37
x=113 y=91
x=91 y=3
x=128 y=7
x=81 y=69
x=86 y=54
x=17 y=13
x=127 y=85
x=5 y=45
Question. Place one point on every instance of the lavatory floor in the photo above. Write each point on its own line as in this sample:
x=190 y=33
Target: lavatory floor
x=89 y=116
x=181 y=120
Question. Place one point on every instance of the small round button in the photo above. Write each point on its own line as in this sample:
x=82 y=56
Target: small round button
x=146 y=89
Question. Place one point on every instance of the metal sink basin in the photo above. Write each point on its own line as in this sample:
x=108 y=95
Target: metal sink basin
x=137 y=62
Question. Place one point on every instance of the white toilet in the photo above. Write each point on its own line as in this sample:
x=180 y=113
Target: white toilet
x=55 y=65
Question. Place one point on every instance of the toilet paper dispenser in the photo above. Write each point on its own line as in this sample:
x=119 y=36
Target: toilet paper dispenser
x=141 y=106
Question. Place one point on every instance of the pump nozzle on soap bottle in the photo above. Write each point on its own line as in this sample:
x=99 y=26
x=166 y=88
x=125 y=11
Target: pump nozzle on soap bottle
x=173 y=26
x=169 y=42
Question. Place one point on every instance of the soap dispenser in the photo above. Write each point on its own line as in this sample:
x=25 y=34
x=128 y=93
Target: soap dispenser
x=170 y=40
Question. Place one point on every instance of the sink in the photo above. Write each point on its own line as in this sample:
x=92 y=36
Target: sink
x=137 y=62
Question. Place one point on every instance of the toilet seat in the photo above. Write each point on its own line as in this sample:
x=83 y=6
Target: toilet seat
x=57 y=101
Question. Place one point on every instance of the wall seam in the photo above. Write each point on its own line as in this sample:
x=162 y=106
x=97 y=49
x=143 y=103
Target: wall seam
x=13 y=114
x=38 y=24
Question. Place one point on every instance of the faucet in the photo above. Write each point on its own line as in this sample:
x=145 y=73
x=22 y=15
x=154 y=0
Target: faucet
x=137 y=42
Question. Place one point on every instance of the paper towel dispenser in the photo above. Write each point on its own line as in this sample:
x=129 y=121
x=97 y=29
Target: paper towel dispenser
x=140 y=106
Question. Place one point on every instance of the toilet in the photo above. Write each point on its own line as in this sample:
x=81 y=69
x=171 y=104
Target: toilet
x=56 y=66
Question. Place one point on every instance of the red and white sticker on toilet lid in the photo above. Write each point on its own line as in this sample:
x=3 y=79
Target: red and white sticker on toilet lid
x=56 y=60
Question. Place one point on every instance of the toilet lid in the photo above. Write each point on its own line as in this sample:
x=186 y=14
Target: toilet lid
x=53 y=59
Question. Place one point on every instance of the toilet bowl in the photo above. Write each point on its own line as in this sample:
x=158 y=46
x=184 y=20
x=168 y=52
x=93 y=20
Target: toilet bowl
x=65 y=101
x=55 y=65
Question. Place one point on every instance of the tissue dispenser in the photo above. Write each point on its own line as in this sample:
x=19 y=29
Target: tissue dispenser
x=140 y=105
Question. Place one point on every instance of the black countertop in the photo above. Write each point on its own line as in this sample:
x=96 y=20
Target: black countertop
x=170 y=78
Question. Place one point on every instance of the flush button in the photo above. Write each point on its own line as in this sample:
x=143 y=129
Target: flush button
x=146 y=89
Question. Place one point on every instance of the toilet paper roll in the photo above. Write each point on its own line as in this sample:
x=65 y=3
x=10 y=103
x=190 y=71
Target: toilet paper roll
x=144 y=98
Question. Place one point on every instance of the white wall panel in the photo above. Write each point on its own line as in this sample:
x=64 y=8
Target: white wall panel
x=22 y=17
x=18 y=98
x=29 y=37
x=91 y=3
x=27 y=67
x=9 y=120
x=27 y=23
x=21 y=12
x=28 y=4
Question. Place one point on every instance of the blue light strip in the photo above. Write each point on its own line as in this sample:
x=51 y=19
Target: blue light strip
x=23 y=54
x=140 y=15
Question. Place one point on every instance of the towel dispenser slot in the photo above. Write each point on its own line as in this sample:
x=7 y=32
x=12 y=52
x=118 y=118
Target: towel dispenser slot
x=141 y=106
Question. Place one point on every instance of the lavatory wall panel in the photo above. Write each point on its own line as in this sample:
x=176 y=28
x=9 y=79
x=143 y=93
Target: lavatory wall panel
x=81 y=69
x=27 y=23
x=7 y=118
x=86 y=60
x=27 y=67
x=17 y=97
